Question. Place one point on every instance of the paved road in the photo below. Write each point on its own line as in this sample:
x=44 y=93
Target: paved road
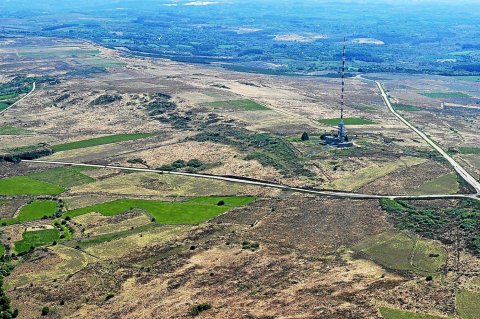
x=28 y=94
x=257 y=183
x=460 y=170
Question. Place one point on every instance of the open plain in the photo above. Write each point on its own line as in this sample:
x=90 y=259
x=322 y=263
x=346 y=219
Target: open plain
x=108 y=243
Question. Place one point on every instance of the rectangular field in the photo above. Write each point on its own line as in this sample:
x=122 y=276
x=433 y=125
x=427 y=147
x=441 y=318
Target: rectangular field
x=243 y=105
x=64 y=176
x=445 y=95
x=33 y=211
x=100 y=141
x=164 y=212
x=406 y=107
x=24 y=185
x=446 y=184
x=389 y=313
x=404 y=252
x=36 y=238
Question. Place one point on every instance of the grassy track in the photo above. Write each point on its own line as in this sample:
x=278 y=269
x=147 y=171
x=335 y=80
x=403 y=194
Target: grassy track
x=468 y=304
x=348 y=121
x=64 y=176
x=85 y=243
x=445 y=95
x=388 y=313
x=405 y=107
x=24 y=185
x=36 y=238
x=469 y=150
x=244 y=105
x=166 y=212
x=11 y=130
x=230 y=201
x=100 y=141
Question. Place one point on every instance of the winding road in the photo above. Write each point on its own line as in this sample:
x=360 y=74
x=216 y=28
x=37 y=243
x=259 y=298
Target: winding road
x=24 y=97
x=332 y=193
x=458 y=168
x=241 y=180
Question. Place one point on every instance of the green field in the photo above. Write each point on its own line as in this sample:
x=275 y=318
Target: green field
x=164 y=212
x=246 y=105
x=33 y=211
x=64 y=176
x=472 y=78
x=348 y=121
x=24 y=185
x=11 y=130
x=46 y=53
x=36 y=238
x=100 y=141
x=445 y=95
x=100 y=62
x=8 y=96
x=37 y=209
x=399 y=251
x=389 y=313
x=2 y=249
x=446 y=184
x=468 y=304
x=469 y=150
x=406 y=107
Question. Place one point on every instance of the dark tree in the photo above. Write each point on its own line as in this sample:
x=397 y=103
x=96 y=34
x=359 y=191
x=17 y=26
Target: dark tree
x=45 y=311
x=305 y=136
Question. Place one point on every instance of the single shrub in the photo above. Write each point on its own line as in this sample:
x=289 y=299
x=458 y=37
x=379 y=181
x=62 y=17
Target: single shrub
x=198 y=309
x=45 y=311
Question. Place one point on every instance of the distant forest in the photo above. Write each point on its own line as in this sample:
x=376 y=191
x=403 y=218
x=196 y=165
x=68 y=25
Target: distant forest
x=276 y=37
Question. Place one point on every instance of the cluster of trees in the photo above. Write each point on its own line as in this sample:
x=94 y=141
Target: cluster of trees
x=437 y=223
x=17 y=156
x=6 y=311
x=192 y=165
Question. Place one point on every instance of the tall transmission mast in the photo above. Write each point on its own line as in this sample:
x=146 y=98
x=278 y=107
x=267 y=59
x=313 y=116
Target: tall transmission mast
x=342 y=134
x=342 y=103
x=341 y=139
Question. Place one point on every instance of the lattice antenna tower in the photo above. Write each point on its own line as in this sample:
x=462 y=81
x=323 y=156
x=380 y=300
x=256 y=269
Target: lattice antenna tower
x=342 y=100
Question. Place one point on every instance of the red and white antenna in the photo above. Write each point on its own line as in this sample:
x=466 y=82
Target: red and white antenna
x=342 y=103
